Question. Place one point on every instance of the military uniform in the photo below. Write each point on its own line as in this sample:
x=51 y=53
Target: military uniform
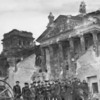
x=26 y=93
x=57 y=91
x=36 y=92
x=85 y=88
x=53 y=91
x=76 y=90
x=63 y=92
x=48 y=92
x=32 y=89
x=40 y=93
x=69 y=91
x=17 y=92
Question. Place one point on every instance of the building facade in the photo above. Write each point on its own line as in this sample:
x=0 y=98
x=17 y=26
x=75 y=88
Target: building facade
x=20 y=57
x=70 y=46
x=17 y=45
x=25 y=70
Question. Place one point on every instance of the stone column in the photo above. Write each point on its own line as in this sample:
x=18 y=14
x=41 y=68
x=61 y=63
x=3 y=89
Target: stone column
x=82 y=41
x=51 y=52
x=95 y=40
x=71 y=55
x=71 y=43
x=43 y=59
x=61 y=59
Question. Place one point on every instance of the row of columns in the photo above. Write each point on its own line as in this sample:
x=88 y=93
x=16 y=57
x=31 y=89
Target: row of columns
x=70 y=55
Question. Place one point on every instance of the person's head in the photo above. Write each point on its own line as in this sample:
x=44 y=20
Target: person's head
x=32 y=85
x=39 y=83
x=84 y=81
x=26 y=84
x=17 y=82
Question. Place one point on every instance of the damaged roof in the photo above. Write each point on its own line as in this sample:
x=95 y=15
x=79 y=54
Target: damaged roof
x=61 y=22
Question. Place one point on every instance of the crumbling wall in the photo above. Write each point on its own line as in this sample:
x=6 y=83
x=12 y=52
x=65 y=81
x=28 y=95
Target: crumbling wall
x=88 y=67
x=88 y=64
x=23 y=72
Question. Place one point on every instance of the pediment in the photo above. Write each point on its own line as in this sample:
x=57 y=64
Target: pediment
x=66 y=24
x=60 y=27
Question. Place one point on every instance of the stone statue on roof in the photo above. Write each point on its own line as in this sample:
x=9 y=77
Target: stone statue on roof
x=51 y=19
x=82 y=8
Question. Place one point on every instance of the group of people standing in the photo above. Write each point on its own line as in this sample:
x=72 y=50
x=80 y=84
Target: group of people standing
x=52 y=90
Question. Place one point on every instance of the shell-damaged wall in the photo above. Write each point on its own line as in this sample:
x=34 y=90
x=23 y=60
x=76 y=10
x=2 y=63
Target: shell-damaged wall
x=26 y=70
x=88 y=67
x=23 y=72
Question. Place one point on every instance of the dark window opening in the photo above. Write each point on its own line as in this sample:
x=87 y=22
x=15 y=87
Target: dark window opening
x=0 y=73
x=19 y=42
x=18 y=60
x=95 y=87
x=40 y=71
x=67 y=67
x=38 y=60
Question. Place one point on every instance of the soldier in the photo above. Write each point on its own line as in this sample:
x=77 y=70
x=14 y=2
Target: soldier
x=17 y=91
x=32 y=89
x=45 y=90
x=69 y=90
x=26 y=93
x=53 y=91
x=48 y=90
x=57 y=91
x=63 y=91
x=85 y=89
x=76 y=89
x=40 y=96
x=42 y=90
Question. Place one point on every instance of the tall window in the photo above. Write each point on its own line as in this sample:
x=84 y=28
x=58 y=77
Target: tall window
x=95 y=87
x=19 y=42
x=67 y=67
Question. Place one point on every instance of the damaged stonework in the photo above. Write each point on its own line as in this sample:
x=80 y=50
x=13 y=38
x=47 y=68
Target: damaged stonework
x=24 y=72
x=88 y=68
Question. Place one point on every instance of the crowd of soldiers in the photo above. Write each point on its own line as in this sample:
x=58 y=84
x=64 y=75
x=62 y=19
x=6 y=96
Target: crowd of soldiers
x=52 y=90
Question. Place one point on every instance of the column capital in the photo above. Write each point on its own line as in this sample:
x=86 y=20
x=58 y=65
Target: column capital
x=70 y=39
x=81 y=35
x=60 y=44
x=59 y=41
x=50 y=47
x=94 y=32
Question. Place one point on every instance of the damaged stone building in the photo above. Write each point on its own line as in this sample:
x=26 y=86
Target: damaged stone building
x=19 y=58
x=70 y=46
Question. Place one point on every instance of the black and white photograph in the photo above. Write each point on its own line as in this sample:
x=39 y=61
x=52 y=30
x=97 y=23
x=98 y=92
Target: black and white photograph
x=49 y=50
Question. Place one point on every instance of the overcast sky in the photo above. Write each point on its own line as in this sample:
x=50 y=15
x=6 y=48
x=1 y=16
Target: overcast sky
x=31 y=15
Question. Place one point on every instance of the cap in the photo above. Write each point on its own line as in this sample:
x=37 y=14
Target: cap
x=17 y=81
x=31 y=83
x=26 y=83
x=38 y=82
